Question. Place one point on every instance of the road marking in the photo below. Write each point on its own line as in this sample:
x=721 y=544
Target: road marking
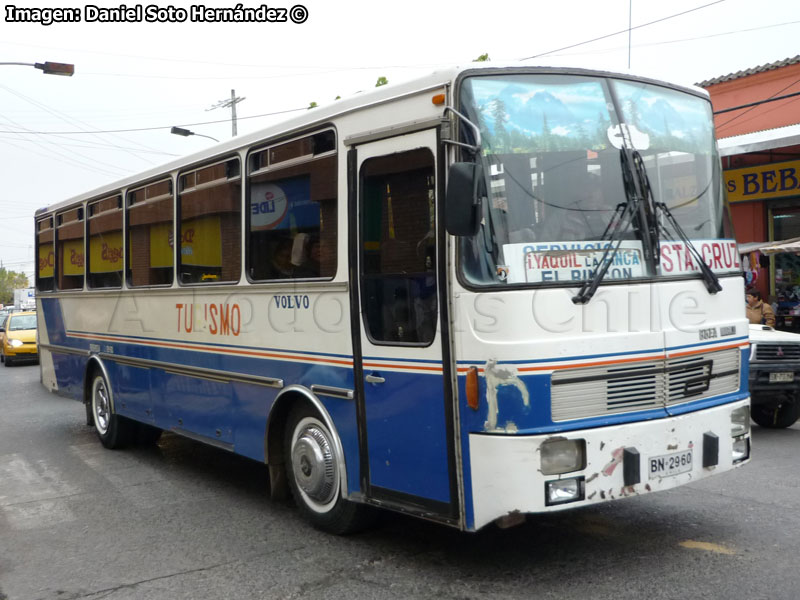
x=707 y=546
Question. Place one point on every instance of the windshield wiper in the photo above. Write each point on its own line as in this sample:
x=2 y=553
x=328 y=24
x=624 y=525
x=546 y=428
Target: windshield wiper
x=710 y=278
x=624 y=213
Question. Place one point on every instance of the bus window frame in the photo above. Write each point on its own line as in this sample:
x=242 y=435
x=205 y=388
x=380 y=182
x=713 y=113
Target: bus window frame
x=178 y=217
x=80 y=210
x=255 y=150
x=120 y=195
x=126 y=204
x=40 y=219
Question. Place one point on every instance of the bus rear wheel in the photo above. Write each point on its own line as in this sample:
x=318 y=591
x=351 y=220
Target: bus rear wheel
x=114 y=431
x=313 y=470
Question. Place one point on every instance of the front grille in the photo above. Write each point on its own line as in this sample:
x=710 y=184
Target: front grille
x=597 y=391
x=777 y=351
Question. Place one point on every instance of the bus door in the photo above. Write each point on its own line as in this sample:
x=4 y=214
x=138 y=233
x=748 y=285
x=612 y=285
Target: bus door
x=405 y=419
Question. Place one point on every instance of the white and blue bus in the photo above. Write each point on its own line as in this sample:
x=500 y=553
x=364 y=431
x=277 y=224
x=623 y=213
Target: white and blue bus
x=482 y=294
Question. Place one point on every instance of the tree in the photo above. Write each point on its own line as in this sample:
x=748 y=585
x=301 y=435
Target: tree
x=10 y=281
x=381 y=81
x=482 y=58
x=501 y=138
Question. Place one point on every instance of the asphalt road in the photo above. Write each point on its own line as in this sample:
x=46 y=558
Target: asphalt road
x=182 y=520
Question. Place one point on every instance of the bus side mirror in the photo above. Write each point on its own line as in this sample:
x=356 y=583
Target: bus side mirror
x=463 y=200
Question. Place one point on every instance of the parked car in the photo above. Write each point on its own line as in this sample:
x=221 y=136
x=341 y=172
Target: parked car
x=19 y=338
x=774 y=377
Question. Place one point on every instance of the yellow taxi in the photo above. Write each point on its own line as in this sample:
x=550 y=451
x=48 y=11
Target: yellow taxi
x=18 y=333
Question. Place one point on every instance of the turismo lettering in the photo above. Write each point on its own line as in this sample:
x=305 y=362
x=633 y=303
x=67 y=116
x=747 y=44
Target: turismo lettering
x=217 y=319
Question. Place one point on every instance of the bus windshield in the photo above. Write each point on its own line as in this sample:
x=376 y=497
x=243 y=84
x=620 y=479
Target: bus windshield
x=556 y=151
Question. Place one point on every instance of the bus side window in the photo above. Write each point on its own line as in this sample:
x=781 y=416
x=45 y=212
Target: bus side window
x=104 y=256
x=210 y=232
x=69 y=249
x=149 y=235
x=45 y=255
x=398 y=247
x=291 y=217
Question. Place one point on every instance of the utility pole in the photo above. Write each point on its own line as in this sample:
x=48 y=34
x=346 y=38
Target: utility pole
x=232 y=103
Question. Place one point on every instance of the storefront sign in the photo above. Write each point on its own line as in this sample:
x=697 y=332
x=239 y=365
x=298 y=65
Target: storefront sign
x=47 y=260
x=72 y=257
x=105 y=252
x=776 y=180
x=201 y=243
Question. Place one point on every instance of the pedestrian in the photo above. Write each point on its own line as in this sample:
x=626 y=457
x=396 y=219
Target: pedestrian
x=758 y=311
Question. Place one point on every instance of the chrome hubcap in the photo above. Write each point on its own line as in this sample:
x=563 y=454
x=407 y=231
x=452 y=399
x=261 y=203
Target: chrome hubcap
x=313 y=464
x=100 y=400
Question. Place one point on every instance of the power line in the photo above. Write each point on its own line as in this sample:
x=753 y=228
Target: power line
x=741 y=114
x=280 y=112
x=68 y=119
x=602 y=37
x=221 y=64
x=687 y=39
x=759 y=103
x=98 y=146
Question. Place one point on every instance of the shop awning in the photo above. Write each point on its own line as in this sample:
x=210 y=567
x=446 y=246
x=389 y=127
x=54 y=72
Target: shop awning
x=760 y=140
x=776 y=247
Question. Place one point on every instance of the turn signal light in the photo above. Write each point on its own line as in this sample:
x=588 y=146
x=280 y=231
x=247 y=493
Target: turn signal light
x=472 y=388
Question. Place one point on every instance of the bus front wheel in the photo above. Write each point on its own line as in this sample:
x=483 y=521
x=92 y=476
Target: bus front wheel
x=114 y=431
x=313 y=470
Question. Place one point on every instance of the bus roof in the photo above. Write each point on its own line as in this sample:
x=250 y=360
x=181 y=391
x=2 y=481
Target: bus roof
x=325 y=113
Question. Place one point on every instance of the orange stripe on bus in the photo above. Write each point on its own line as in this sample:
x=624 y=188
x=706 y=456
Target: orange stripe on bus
x=664 y=355
x=405 y=367
x=219 y=350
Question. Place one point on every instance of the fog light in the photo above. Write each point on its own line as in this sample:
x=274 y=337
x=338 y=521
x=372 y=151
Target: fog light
x=562 y=491
x=740 y=421
x=15 y=343
x=562 y=456
x=741 y=449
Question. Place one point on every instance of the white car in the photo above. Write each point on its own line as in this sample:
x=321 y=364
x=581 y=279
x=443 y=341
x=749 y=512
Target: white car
x=774 y=376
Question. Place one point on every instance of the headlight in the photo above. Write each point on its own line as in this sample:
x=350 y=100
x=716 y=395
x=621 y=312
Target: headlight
x=740 y=421
x=562 y=491
x=15 y=343
x=741 y=449
x=562 y=456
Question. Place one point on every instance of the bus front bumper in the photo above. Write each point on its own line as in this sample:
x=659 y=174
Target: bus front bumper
x=508 y=476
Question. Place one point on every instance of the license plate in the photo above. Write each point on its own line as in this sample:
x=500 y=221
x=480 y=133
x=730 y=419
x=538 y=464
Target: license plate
x=667 y=465
x=782 y=377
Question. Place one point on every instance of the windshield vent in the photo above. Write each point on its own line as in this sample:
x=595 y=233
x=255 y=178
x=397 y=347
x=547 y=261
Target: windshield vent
x=778 y=352
x=599 y=391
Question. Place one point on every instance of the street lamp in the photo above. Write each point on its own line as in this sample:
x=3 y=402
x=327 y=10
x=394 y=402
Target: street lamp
x=187 y=133
x=48 y=68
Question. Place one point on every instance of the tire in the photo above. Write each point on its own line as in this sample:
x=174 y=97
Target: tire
x=312 y=468
x=776 y=416
x=114 y=431
x=8 y=362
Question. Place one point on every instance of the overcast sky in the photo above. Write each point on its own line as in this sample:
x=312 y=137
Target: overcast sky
x=151 y=76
